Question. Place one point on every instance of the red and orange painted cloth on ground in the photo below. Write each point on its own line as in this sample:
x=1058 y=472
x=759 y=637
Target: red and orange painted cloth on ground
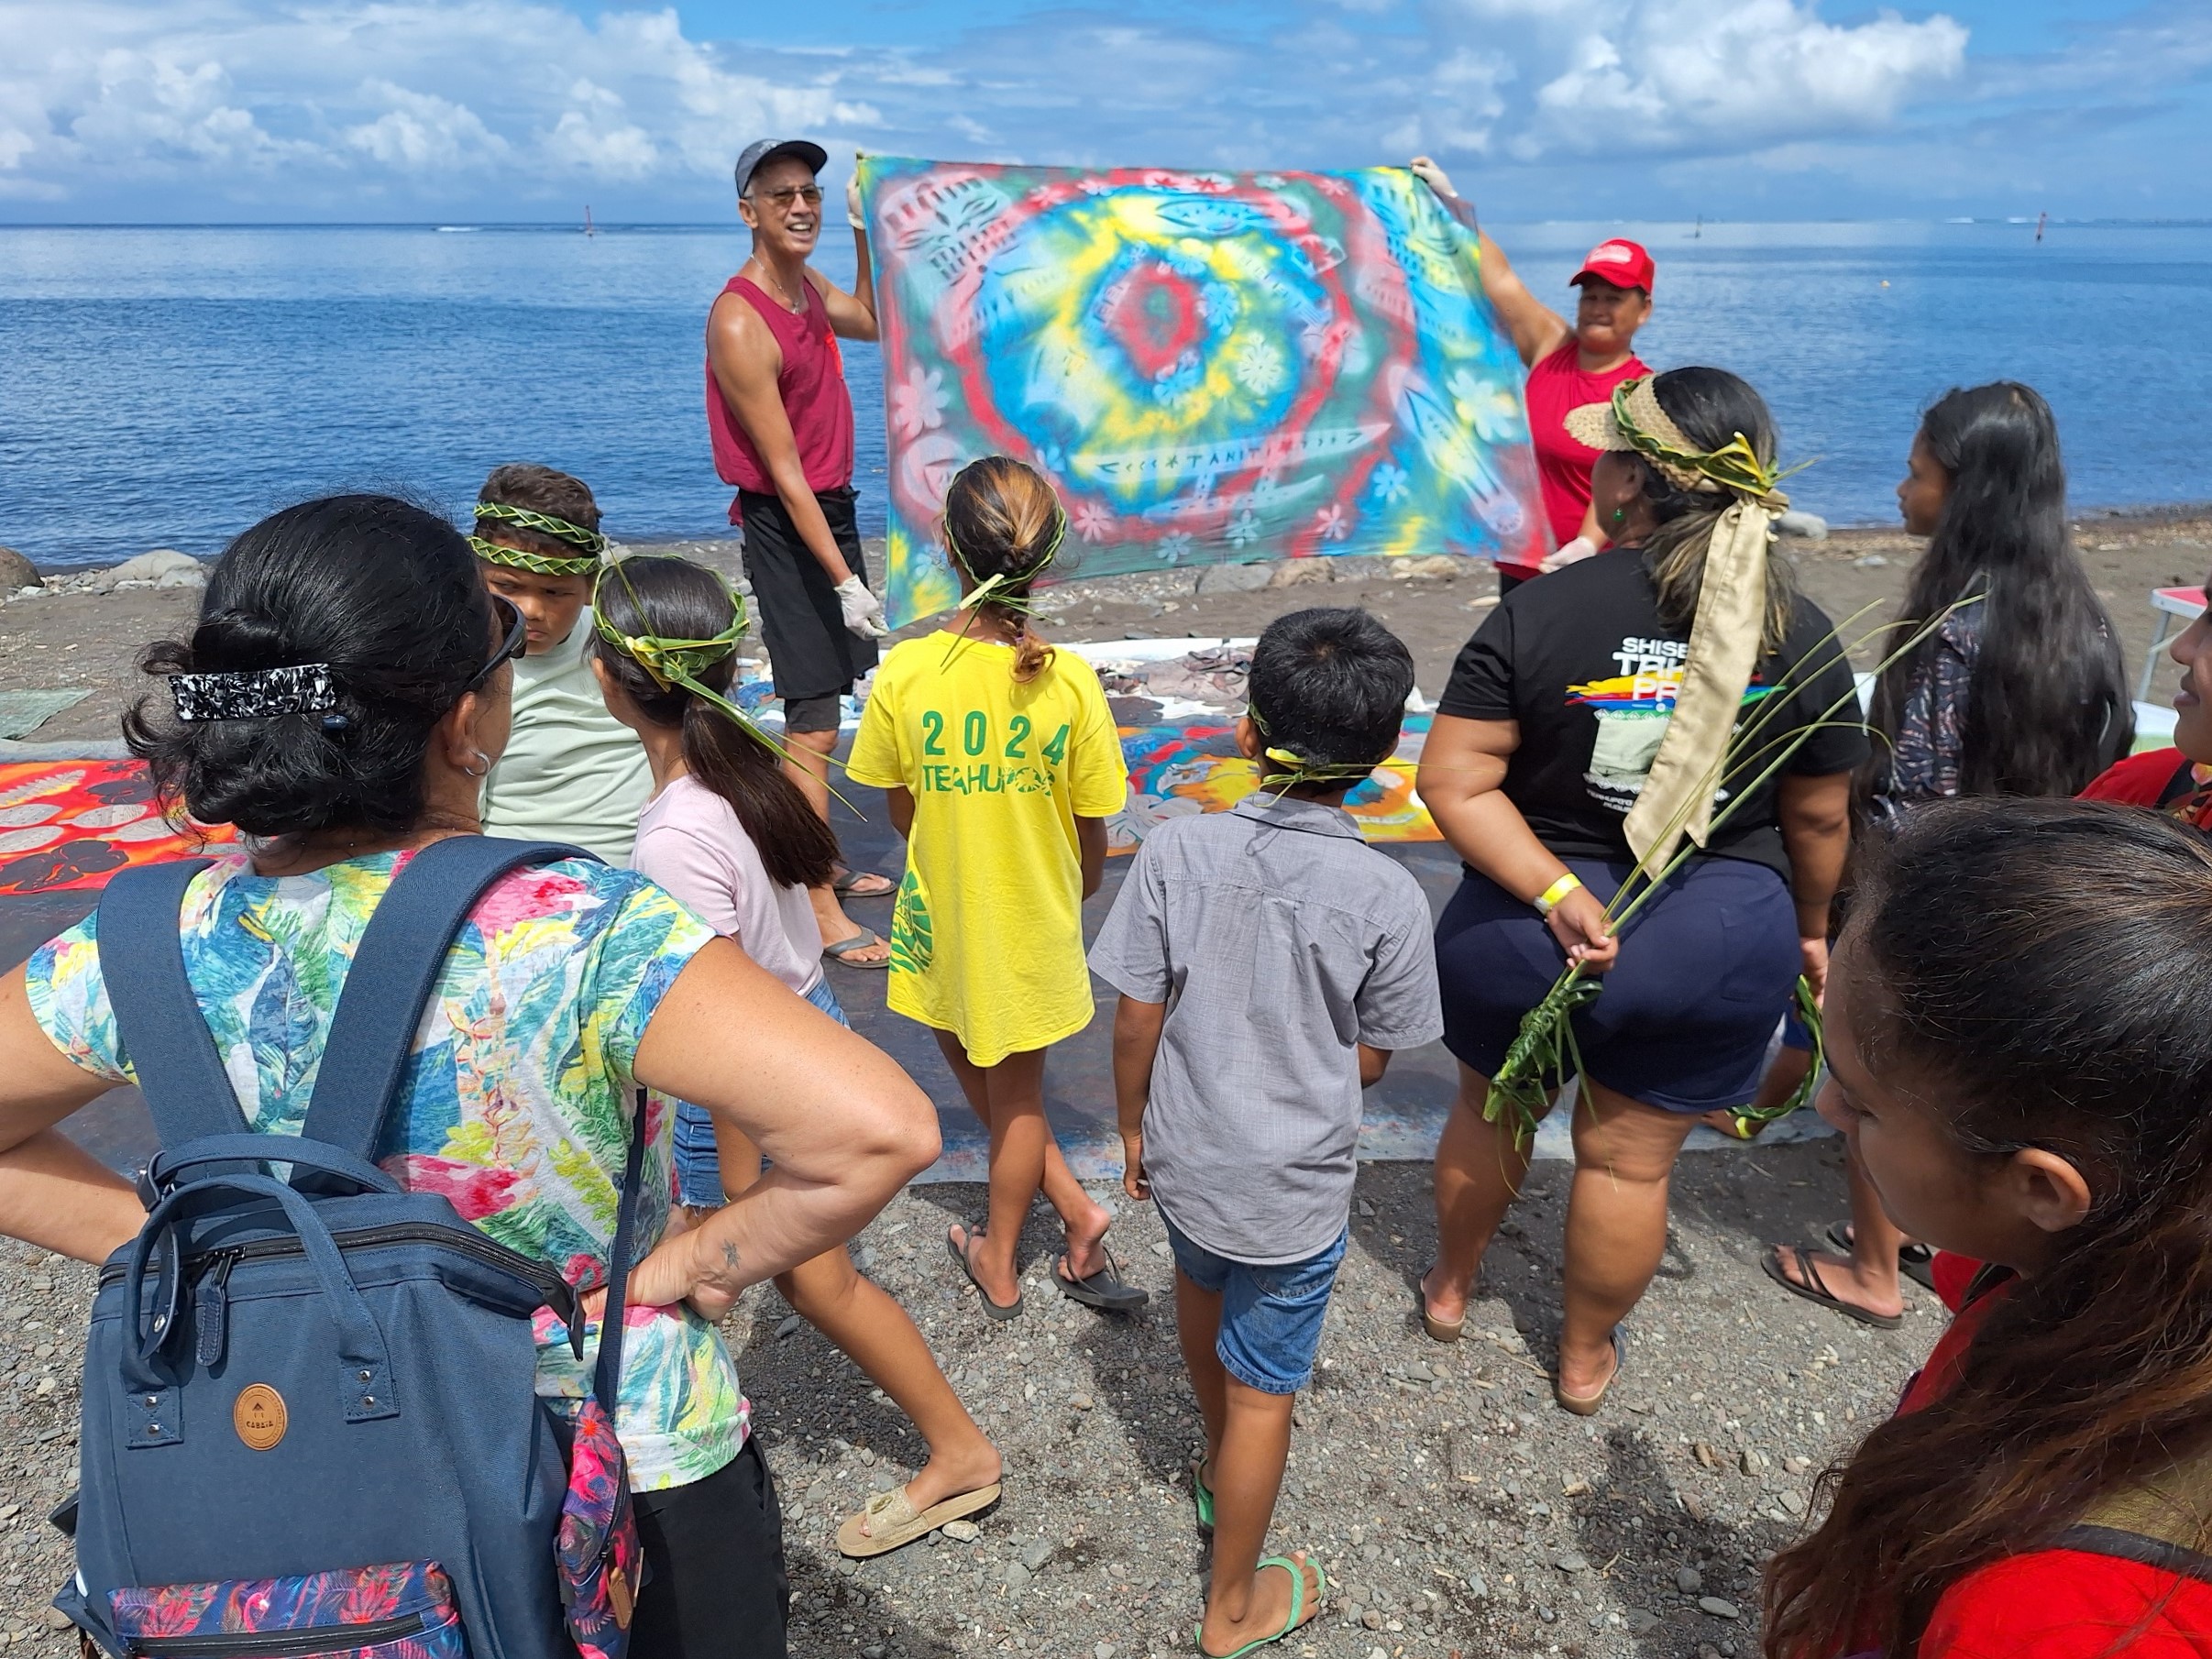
x=74 y=823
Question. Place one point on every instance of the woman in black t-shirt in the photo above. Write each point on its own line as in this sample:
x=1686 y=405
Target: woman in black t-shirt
x=1579 y=725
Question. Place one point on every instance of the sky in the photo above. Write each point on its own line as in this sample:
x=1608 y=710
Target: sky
x=202 y=111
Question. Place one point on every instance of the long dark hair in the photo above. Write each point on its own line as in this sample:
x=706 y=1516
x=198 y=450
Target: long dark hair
x=2035 y=969
x=389 y=597
x=2047 y=705
x=676 y=599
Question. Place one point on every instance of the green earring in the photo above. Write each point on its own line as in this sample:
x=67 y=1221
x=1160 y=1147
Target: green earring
x=1620 y=515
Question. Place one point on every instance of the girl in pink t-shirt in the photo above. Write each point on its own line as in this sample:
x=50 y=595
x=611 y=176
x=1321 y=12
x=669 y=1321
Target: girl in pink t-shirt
x=730 y=836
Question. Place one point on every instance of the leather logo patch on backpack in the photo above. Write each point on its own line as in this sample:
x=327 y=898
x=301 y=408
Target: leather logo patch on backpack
x=258 y=1415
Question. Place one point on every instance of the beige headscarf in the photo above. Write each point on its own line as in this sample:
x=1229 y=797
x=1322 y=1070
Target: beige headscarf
x=1677 y=796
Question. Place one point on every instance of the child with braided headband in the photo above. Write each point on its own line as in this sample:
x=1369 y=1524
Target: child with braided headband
x=730 y=834
x=570 y=773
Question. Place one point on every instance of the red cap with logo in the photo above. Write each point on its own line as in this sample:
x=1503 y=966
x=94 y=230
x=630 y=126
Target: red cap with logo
x=1623 y=263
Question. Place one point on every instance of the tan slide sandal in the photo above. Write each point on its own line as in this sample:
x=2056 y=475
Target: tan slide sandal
x=892 y=1520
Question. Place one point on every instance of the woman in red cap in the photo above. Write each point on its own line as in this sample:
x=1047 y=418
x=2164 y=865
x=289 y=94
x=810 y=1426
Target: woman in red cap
x=1568 y=365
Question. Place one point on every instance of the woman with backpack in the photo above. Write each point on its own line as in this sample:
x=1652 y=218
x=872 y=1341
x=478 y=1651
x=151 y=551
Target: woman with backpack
x=340 y=700
x=2015 y=687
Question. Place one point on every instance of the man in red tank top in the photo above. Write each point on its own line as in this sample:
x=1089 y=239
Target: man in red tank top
x=782 y=424
x=1567 y=366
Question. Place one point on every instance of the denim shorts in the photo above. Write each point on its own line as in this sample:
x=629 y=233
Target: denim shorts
x=1271 y=1316
x=698 y=1169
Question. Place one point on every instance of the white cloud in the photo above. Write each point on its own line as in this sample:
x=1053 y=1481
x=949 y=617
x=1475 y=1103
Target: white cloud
x=421 y=131
x=1672 y=73
x=231 y=99
x=215 y=108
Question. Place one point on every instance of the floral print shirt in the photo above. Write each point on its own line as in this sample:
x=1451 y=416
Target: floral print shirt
x=515 y=1103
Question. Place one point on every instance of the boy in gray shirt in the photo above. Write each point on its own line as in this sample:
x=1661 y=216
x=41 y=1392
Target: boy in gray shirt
x=1269 y=962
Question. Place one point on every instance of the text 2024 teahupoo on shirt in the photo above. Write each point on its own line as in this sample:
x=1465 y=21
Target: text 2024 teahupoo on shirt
x=1583 y=664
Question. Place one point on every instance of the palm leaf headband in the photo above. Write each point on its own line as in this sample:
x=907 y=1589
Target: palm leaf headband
x=592 y=544
x=674 y=665
x=1635 y=420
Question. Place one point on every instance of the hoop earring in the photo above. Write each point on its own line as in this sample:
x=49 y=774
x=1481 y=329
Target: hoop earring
x=483 y=769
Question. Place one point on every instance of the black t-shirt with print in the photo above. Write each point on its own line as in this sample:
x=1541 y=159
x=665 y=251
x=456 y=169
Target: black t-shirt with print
x=1582 y=661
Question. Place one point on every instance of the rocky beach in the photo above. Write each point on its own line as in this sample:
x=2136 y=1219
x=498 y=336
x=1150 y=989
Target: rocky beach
x=1455 y=1509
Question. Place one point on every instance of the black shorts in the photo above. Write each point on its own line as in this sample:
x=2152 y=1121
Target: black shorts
x=1706 y=970
x=717 y=1588
x=811 y=651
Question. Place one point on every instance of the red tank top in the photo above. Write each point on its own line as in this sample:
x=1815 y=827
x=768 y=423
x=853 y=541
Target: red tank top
x=812 y=386
x=1555 y=385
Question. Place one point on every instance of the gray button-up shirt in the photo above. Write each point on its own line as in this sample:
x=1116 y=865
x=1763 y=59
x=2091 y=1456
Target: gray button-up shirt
x=1283 y=941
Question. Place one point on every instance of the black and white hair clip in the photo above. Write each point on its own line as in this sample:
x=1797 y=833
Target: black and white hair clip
x=253 y=693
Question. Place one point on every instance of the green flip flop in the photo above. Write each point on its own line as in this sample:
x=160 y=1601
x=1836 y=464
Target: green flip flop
x=1201 y=1496
x=1294 y=1621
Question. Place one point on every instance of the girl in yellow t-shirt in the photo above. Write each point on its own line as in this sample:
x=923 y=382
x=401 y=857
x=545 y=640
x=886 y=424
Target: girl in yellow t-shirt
x=1001 y=762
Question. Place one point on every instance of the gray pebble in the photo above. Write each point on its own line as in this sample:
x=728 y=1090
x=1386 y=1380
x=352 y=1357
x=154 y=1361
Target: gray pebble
x=1718 y=1607
x=1641 y=1620
x=788 y=1326
x=1572 y=1562
x=1036 y=1552
x=1016 y=1576
x=960 y=1532
x=1689 y=1580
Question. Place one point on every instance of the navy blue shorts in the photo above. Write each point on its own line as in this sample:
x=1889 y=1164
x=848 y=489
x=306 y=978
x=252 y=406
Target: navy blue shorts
x=1706 y=969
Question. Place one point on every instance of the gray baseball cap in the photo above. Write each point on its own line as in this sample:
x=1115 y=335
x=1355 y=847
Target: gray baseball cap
x=768 y=149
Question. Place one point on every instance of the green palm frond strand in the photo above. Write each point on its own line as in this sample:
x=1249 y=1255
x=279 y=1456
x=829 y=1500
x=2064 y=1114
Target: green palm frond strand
x=1544 y=1053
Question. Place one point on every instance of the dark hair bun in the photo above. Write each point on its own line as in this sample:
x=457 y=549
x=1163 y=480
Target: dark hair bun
x=389 y=597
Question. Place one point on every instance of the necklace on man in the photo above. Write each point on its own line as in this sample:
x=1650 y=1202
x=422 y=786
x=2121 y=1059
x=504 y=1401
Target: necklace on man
x=776 y=287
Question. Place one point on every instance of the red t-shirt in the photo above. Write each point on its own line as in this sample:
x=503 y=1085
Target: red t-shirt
x=2165 y=779
x=1555 y=385
x=2057 y=1603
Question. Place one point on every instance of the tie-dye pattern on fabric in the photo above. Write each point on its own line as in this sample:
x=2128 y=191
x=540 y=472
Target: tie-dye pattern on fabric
x=1211 y=368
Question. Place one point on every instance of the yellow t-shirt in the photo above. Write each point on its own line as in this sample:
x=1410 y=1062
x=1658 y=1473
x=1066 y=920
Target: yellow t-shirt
x=986 y=936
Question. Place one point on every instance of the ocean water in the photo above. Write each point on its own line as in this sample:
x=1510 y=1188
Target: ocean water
x=167 y=387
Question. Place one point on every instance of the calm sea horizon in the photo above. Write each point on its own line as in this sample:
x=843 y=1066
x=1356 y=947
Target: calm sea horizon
x=166 y=386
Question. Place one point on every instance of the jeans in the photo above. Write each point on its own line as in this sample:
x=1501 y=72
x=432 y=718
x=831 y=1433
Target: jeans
x=1271 y=1313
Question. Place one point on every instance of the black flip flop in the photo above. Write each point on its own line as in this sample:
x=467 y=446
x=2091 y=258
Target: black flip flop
x=1000 y=1311
x=1814 y=1290
x=1104 y=1290
x=1915 y=1261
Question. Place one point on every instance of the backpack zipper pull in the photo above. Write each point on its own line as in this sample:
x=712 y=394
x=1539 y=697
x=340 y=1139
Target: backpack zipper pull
x=211 y=1303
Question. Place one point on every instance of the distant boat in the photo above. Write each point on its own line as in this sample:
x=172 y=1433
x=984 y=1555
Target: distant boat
x=1698 y=235
x=456 y=230
x=588 y=229
x=2041 y=220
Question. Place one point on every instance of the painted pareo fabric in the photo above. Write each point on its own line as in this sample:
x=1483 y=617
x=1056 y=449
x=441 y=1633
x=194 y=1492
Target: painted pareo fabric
x=1211 y=368
x=514 y=1105
x=340 y=1603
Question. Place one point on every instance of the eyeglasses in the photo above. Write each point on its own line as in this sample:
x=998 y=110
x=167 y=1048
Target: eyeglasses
x=512 y=647
x=786 y=200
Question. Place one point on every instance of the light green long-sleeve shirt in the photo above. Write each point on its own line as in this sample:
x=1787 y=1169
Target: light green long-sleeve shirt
x=572 y=771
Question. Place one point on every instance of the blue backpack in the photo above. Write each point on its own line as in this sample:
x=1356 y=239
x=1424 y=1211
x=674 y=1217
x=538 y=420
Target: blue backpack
x=310 y=1425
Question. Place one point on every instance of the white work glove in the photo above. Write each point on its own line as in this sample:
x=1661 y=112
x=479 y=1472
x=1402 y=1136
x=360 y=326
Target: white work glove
x=1435 y=177
x=1574 y=553
x=853 y=199
x=864 y=612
